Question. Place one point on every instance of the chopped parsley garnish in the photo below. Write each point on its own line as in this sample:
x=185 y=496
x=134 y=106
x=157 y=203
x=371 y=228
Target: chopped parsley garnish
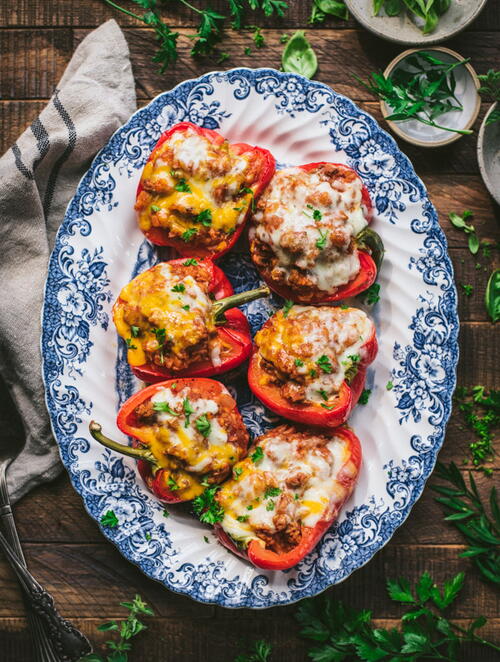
x=147 y=536
x=323 y=394
x=317 y=215
x=188 y=410
x=321 y=242
x=296 y=496
x=354 y=357
x=249 y=191
x=287 y=307
x=248 y=50
x=324 y=363
x=203 y=425
x=155 y=208
x=326 y=406
x=134 y=330
x=468 y=289
x=186 y=307
x=344 y=306
x=189 y=234
x=243 y=518
x=204 y=217
x=109 y=519
x=284 y=38
x=182 y=186
x=299 y=363
x=164 y=407
x=207 y=508
x=161 y=336
x=271 y=492
x=250 y=507
x=166 y=513
x=257 y=455
x=270 y=505
x=371 y=295
x=172 y=484
x=129 y=343
x=313 y=373
x=363 y=398
x=389 y=386
x=258 y=37
x=237 y=471
x=206 y=539
x=179 y=287
x=190 y=262
x=205 y=482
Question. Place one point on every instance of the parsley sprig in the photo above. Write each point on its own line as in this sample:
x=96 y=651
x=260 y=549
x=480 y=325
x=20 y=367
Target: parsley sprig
x=206 y=506
x=481 y=410
x=126 y=629
x=422 y=88
x=343 y=633
x=491 y=88
x=259 y=652
x=468 y=514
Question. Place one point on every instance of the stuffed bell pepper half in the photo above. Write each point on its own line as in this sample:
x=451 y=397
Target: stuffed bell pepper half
x=197 y=190
x=284 y=495
x=309 y=362
x=188 y=434
x=179 y=319
x=309 y=236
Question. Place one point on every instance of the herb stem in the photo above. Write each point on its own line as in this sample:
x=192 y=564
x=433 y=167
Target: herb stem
x=123 y=10
x=187 y=4
x=475 y=637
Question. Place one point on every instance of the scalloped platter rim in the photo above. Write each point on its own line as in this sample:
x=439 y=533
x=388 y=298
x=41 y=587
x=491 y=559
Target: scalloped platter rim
x=99 y=248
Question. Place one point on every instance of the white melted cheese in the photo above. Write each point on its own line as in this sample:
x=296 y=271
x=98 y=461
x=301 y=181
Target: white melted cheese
x=186 y=437
x=306 y=504
x=190 y=150
x=331 y=266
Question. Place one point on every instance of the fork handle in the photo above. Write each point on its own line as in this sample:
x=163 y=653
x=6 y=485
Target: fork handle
x=68 y=642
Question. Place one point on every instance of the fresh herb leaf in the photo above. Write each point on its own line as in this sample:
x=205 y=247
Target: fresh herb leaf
x=468 y=289
x=427 y=10
x=182 y=186
x=172 y=484
x=190 y=262
x=109 y=519
x=237 y=471
x=204 y=217
x=258 y=38
x=130 y=344
x=459 y=222
x=313 y=373
x=223 y=57
x=135 y=330
x=243 y=518
x=321 y=242
x=467 y=512
x=248 y=191
x=321 y=8
x=270 y=505
x=287 y=307
x=481 y=410
x=206 y=506
x=323 y=394
x=203 y=425
x=186 y=307
x=492 y=296
x=161 y=336
x=188 y=410
x=371 y=295
x=325 y=406
x=257 y=455
x=284 y=38
x=491 y=88
x=166 y=513
x=389 y=386
x=164 y=407
x=155 y=208
x=247 y=51
x=364 y=397
x=189 y=234
x=299 y=57
x=324 y=363
x=299 y=363
x=259 y=652
x=179 y=287
x=271 y=492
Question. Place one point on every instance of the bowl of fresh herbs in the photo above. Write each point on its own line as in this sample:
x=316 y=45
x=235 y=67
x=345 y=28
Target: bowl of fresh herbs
x=428 y=97
x=415 y=22
x=488 y=141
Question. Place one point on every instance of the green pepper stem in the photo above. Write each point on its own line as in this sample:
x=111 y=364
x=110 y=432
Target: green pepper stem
x=370 y=240
x=219 y=307
x=137 y=453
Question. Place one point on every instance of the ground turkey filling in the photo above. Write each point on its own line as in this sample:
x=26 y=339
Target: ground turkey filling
x=196 y=191
x=303 y=232
x=164 y=315
x=309 y=351
x=190 y=431
x=288 y=481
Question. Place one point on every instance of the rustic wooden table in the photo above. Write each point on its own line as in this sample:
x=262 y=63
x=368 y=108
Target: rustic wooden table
x=64 y=547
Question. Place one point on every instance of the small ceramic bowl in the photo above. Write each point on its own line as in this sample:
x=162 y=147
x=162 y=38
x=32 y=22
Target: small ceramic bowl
x=405 y=30
x=466 y=91
x=488 y=154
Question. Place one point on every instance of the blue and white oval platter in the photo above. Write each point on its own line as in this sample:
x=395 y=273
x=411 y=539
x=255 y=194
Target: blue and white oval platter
x=99 y=249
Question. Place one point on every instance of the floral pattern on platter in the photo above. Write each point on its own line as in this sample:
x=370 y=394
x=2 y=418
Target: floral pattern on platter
x=74 y=339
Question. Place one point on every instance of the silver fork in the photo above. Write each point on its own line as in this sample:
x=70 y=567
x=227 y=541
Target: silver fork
x=54 y=639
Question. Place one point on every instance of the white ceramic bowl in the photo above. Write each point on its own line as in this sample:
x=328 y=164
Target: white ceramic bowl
x=488 y=154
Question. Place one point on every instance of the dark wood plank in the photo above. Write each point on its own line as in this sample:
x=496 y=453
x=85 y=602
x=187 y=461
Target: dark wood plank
x=94 y=12
x=216 y=639
x=94 y=578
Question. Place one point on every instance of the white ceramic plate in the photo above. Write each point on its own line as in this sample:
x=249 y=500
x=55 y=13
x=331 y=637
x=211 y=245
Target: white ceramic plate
x=404 y=30
x=99 y=248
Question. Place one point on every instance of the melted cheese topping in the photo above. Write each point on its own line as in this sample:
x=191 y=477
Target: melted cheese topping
x=309 y=222
x=304 y=488
x=188 y=175
x=319 y=346
x=160 y=299
x=188 y=437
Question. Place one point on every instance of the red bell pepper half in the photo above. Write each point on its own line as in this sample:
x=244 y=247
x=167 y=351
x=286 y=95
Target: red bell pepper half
x=318 y=414
x=370 y=252
x=160 y=236
x=232 y=329
x=267 y=559
x=158 y=478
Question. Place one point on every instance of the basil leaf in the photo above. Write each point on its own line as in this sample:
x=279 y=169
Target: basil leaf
x=473 y=243
x=333 y=7
x=298 y=56
x=492 y=296
x=392 y=7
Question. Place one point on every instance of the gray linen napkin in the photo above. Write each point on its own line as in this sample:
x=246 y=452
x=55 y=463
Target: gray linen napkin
x=38 y=176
